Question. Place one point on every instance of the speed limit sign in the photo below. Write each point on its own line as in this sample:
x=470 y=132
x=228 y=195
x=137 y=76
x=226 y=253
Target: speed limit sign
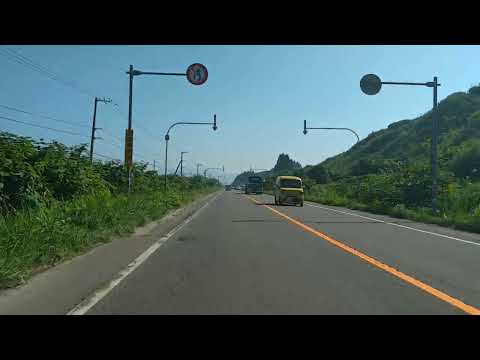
x=197 y=74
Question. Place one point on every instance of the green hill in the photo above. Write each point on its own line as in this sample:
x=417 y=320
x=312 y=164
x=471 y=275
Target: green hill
x=409 y=141
x=284 y=166
x=389 y=171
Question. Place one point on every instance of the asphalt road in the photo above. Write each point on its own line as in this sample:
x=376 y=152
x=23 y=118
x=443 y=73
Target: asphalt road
x=238 y=256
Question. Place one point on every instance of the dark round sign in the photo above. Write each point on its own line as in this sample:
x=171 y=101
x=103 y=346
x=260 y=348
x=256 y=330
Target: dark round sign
x=197 y=74
x=370 y=84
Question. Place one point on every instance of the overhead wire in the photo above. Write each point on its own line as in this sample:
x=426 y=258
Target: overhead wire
x=55 y=119
x=145 y=130
x=27 y=62
x=43 y=127
x=32 y=65
x=12 y=108
x=105 y=156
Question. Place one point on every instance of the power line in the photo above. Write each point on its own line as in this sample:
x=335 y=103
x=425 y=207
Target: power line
x=106 y=156
x=43 y=127
x=27 y=62
x=117 y=139
x=57 y=130
x=120 y=141
x=46 y=71
x=147 y=132
x=42 y=116
x=20 y=61
x=137 y=154
x=24 y=59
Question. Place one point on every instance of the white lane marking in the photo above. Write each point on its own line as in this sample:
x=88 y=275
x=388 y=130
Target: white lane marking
x=98 y=295
x=393 y=224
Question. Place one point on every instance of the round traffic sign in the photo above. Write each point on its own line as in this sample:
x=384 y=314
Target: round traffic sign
x=370 y=84
x=197 y=74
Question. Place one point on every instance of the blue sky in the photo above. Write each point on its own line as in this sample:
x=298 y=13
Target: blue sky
x=261 y=95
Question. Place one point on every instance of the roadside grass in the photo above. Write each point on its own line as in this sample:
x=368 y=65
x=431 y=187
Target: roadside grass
x=458 y=211
x=35 y=239
x=460 y=206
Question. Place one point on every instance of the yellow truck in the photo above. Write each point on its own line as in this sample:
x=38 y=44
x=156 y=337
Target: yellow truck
x=288 y=190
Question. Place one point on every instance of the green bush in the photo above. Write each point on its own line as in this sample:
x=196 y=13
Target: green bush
x=474 y=90
x=36 y=238
x=54 y=203
x=35 y=174
x=319 y=174
x=467 y=161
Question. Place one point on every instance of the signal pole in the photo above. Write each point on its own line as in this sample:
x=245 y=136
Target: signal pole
x=94 y=128
x=371 y=84
x=167 y=138
x=196 y=74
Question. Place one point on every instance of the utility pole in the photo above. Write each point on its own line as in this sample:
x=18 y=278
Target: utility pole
x=94 y=128
x=181 y=162
x=153 y=165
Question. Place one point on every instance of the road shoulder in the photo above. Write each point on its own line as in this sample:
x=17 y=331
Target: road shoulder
x=401 y=222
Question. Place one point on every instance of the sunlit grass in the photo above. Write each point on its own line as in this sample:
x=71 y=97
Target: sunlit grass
x=459 y=205
x=34 y=239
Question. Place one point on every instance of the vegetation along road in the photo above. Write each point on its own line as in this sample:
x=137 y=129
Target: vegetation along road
x=243 y=255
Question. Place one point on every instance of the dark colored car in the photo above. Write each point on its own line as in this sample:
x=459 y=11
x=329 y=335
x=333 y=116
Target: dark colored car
x=254 y=185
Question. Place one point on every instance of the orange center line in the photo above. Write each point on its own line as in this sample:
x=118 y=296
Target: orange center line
x=407 y=278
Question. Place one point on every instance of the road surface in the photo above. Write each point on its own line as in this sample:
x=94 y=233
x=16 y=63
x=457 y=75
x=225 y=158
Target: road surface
x=235 y=254
x=243 y=255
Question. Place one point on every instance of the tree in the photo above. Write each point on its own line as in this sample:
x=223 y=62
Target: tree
x=284 y=163
x=319 y=174
x=365 y=166
x=475 y=90
x=467 y=162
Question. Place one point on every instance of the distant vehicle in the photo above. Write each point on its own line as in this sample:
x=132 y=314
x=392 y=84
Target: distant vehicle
x=254 y=185
x=228 y=187
x=288 y=190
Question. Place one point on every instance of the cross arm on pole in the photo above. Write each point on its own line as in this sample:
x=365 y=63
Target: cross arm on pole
x=103 y=100
x=188 y=123
x=139 y=72
x=428 y=84
x=214 y=123
x=305 y=128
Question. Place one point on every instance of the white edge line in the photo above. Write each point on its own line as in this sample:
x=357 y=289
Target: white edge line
x=393 y=224
x=99 y=294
